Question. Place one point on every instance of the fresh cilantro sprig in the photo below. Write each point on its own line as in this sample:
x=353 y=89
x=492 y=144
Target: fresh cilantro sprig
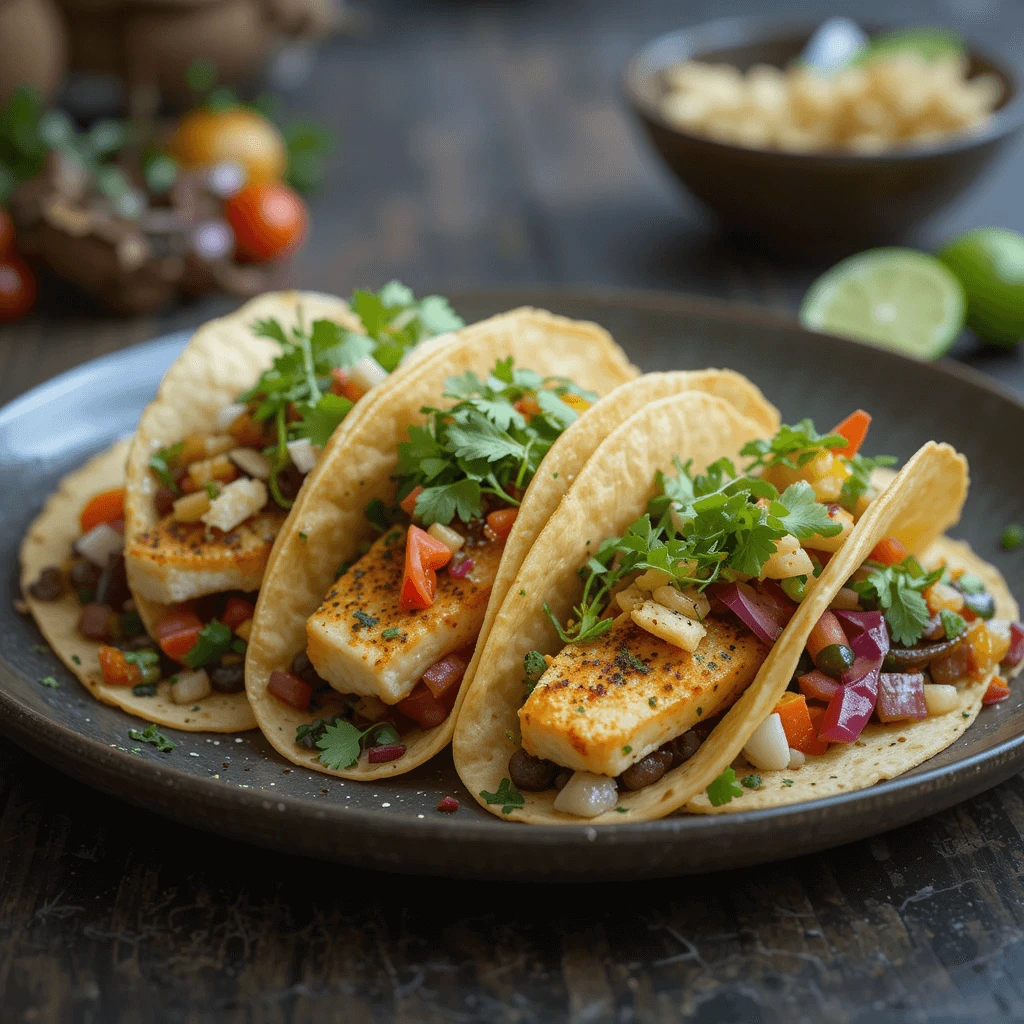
x=490 y=442
x=163 y=464
x=151 y=734
x=295 y=393
x=507 y=795
x=698 y=530
x=792 y=446
x=341 y=742
x=534 y=666
x=725 y=788
x=859 y=480
x=897 y=591
x=214 y=640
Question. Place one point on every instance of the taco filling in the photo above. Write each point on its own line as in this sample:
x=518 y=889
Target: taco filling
x=389 y=646
x=679 y=613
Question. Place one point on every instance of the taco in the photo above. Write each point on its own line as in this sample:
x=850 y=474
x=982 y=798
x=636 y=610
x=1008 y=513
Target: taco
x=660 y=615
x=166 y=539
x=413 y=525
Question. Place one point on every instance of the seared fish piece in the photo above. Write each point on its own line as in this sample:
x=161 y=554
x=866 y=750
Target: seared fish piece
x=176 y=562
x=346 y=641
x=604 y=704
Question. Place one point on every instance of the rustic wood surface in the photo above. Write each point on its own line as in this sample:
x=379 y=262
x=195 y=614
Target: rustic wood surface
x=485 y=144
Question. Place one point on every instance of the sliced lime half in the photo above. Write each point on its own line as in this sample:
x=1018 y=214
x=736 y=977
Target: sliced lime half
x=899 y=299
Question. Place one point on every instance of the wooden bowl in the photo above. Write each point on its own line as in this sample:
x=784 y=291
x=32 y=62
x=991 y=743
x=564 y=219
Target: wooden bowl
x=823 y=200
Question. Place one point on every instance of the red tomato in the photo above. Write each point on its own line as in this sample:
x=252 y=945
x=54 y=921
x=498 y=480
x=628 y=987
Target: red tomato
x=423 y=555
x=423 y=707
x=343 y=386
x=444 y=678
x=997 y=691
x=105 y=507
x=888 y=551
x=177 y=631
x=6 y=233
x=854 y=428
x=268 y=219
x=236 y=611
x=116 y=669
x=501 y=521
x=408 y=503
x=290 y=690
x=17 y=288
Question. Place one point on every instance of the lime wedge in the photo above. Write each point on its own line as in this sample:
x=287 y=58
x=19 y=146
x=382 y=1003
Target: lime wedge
x=899 y=299
x=927 y=43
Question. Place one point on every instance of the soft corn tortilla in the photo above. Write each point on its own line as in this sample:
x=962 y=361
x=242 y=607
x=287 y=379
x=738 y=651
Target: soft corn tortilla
x=883 y=751
x=610 y=492
x=48 y=542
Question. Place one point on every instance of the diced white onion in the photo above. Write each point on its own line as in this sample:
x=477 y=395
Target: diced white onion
x=630 y=598
x=303 y=454
x=768 y=749
x=451 y=539
x=940 y=698
x=190 y=687
x=218 y=444
x=788 y=559
x=236 y=503
x=690 y=602
x=796 y=759
x=229 y=414
x=668 y=625
x=252 y=462
x=587 y=795
x=99 y=544
x=367 y=373
x=652 y=579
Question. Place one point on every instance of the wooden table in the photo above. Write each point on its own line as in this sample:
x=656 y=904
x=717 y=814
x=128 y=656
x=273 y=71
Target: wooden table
x=485 y=144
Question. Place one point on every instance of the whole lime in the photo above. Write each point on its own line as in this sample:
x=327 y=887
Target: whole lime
x=989 y=263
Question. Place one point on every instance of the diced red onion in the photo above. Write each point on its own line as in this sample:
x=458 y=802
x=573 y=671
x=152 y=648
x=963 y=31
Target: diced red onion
x=763 y=617
x=385 y=753
x=1015 y=654
x=461 y=569
x=445 y=673
x=862 y=676
x=818 y=686
x=846 y=715
x=901 y=696
x=774 y=597
x=869 y=637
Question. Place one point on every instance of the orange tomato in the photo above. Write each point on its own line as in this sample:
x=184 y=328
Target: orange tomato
x=888 y=551
x=501 y=521
x=344 y=387
x=105 y=507
x=423 y=556
x=269 y=221
x=997 y=691
x=116 y=669
x=204 y=137
x=17 y=288
x=854 y=428
x=177 y=631
x=408 y=503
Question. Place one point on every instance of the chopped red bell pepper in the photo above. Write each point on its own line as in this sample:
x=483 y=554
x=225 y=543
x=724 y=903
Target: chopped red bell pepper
x=423 y=707
x=116 y=669
x=177 y=631
x=423 y=556
x=105 y=507
x=236 y=611
x=997 y=691
x=290 y=690
x=854 y=428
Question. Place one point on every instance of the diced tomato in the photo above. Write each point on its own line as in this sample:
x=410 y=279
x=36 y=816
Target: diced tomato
x=444 y=677
x=818 y=686
x=827 y=631
x=236 y=611
x=888 y=551
x=105 y=507
x=177 y=631
x=116 y=669
x=343 y=385
x=408 y=503
x=501 y=521
x=997 y=691
x=817 y=717
x=981 y=654
x=796 y=720
x=423 y=707
x=854 y=428
x=290 y=690
x=423 y=556
x=527 y=405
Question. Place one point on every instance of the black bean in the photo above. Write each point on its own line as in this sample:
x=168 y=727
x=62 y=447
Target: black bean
x=683 y=747
x=112 y=588
x=49 y=586
x=94 y=622
x=164 y=500
x=228 y=678
x=84 y=575
x=303 y=668
x=647 y=770
x=530 y=773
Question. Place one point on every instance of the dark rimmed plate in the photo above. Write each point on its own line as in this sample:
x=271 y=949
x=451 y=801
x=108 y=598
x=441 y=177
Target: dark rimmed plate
x=239 y=787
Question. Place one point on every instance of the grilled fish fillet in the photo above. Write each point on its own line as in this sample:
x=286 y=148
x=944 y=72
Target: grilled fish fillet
x=345 y=636
x=604 y=704
x=176 y=562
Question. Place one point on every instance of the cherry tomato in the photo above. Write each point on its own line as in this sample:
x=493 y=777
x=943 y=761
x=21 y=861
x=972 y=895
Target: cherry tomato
x=6 y=232
x=423 y=556
x=17 y=288
x=105 y=507
x=269 y=221
x=204 y=137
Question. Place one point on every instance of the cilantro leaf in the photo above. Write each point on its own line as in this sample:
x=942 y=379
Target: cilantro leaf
x=507 y=795
x=148 y=661
x=952 y=623
x=534 y=665
x=320 y=421
x=213 y=641
x=340 y=745
x=151 y=734
x=897 y=590
x=446 y=502
x=792 y=446
x=724 y=788
x=751 y=781
x=805 y=515
x=481 y=439
x=162 y=464
x=49 y=681
x=859 y=480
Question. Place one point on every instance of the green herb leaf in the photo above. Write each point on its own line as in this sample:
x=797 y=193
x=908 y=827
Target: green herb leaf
x=391 y=633
x=792 y=446
x=897 y=590
x=534 y=666
x=151 y=734
x=805 y=515
x=340 y=745
x=363 y=619
x=507 y=795
x=724 y=788
x=321 y=420
x=751 y=782
x=952 y=623
x=50 y=682
x=213 y=641
x=148 y=661
x=163 y=463
x=859 y=480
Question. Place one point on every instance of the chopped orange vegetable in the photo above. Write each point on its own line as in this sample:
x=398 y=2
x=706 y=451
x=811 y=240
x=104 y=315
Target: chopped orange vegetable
x=105 y=507
x=796 y=721
x=827 y=631
x=527 y=405
x=342 y=385
x=854 y=428
x=888 y=551
x=819 y=746
x=177 y=631
x=116 y=669
x=501 y=521
x=997 y=691
x=981 y=651
x=408 y=503
x=248 y=432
